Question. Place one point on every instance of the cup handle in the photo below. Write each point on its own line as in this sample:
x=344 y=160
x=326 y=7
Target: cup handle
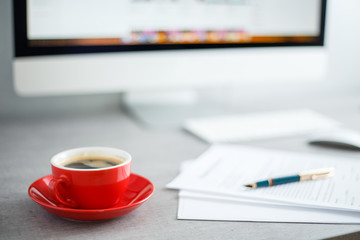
x=54 y=187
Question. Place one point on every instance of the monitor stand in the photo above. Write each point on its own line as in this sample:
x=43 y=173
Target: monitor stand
x=172 y=108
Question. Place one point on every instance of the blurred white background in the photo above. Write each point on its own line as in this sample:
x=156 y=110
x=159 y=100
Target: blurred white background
x=343 y=39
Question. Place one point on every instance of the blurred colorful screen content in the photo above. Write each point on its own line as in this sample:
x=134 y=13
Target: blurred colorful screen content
x=53 y=23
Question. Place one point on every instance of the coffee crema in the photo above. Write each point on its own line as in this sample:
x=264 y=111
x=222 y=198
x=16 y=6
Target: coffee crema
x=90 y=162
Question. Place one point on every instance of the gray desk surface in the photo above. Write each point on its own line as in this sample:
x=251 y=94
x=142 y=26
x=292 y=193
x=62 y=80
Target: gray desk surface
x=26 y=145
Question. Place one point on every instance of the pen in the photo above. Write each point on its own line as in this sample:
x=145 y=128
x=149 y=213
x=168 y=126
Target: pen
x=301 y=176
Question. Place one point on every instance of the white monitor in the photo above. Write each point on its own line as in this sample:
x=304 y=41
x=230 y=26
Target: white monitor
x=82 y=46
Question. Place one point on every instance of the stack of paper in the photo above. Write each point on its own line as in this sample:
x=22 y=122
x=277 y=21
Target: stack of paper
x=212 y=187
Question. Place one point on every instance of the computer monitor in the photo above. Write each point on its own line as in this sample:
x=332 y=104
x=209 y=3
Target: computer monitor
x=82 y=46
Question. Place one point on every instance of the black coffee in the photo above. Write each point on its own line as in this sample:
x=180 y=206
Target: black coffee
x=92 y=163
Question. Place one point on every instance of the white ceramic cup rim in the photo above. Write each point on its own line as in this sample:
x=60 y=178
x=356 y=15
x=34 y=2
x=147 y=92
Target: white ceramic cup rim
x=63 y=156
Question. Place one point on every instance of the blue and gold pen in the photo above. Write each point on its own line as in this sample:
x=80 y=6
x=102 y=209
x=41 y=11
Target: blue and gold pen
x=302 y=176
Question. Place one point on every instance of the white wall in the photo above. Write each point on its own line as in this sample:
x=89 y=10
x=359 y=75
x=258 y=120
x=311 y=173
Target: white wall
x=344 y=40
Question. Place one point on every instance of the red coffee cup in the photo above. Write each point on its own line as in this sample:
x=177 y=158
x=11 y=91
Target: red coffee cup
x=90 y=177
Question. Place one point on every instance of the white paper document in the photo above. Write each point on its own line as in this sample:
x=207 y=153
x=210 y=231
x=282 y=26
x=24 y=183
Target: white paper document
x=258 y=125
x=224 y=169
x=196 y=206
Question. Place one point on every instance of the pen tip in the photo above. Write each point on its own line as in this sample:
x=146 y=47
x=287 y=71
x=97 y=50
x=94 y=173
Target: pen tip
x=250 y=185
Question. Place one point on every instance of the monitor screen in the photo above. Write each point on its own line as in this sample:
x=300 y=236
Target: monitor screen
x=67 y=26
x=98 y=46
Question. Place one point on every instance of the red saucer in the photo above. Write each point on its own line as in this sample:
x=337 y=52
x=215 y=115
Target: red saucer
x=139 y=190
